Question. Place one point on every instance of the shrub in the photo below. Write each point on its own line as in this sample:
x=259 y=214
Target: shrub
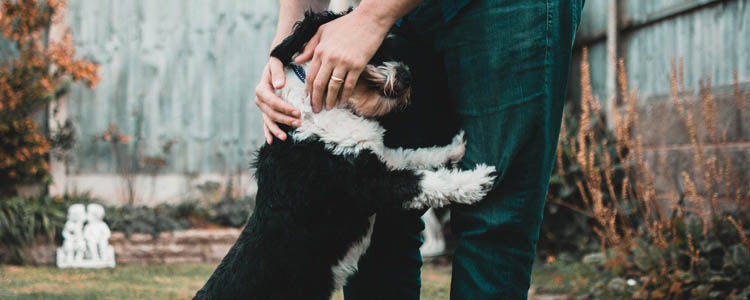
x=231 y=212
x=688 y=246
x=33 y=74
x=24 y=220
x=567 y=228
x=143 y=219
x=228 y=212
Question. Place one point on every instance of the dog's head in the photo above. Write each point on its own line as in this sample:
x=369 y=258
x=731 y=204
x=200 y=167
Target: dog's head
x=382 y=87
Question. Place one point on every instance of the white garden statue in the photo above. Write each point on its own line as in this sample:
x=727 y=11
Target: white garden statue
x=86 y=246
x=434 y=241
x=74 y=245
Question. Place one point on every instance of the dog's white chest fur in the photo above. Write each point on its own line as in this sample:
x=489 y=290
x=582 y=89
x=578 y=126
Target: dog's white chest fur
x=341 y=130
x=344 y=132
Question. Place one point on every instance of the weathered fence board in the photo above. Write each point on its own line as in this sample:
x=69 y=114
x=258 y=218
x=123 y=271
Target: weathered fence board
x=173 y=72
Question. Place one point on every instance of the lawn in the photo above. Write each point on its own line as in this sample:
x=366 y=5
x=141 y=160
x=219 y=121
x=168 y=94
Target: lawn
x=176 y=281
x=173 y=281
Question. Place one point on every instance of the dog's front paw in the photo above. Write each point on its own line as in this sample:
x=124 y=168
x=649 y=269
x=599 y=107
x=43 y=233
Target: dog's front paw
x=475 y=184
x=457 y=148
x=443 y=186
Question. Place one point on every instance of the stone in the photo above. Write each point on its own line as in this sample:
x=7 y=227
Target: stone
x=617 y=285
x=594 y=259
x=86 y=239
x=188 y=246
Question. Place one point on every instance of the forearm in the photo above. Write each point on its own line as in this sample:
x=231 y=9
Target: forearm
x=291 y=11
x=386 y=12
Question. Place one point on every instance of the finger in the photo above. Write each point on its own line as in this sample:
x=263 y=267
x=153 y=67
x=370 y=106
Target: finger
x=271 y=100
x=309 y=50
x=273 y=128
x=278 y=117
x=319 y=86
x=276 y=69
x=350 y=84
x=267 y=133
x=334 y=86
x=312 y=71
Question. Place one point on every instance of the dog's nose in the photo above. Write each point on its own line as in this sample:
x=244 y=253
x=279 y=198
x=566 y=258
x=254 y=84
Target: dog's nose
x=402 y=83
x=403 y=76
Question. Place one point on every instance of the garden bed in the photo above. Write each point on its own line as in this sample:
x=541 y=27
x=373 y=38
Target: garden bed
x=184 y=246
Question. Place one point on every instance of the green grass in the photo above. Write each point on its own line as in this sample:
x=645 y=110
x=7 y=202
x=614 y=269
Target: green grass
x=559 y=278
x=174 y=281
x=180 y=281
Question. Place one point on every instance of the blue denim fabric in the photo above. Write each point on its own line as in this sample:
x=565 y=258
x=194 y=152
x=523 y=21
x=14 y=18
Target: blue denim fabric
x=452 y=7
x=497 y=69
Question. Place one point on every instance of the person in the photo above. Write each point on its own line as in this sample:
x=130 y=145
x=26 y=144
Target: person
x=496 y=69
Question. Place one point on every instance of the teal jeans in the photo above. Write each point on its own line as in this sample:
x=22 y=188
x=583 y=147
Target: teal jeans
x=498 y=70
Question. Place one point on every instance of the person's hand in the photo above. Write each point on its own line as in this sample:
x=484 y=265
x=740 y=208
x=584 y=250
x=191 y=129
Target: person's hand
x=274 y=109
x=340 y=51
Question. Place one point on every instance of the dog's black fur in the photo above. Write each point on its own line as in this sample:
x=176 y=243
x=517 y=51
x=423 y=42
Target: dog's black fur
x=306 y=29
x=312 y=206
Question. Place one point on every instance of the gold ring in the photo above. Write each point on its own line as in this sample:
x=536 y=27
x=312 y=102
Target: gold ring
x=336 y=79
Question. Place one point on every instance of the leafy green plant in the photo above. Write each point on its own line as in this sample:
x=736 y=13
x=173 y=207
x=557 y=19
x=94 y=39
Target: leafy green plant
x=26 y=220
x=228 y=212
x=23 y=220
x=692 y=263
x=143 y=219
x=231 y=212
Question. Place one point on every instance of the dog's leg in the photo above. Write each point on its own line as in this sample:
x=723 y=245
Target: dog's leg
x=377 y=185
x=427 y=158
x=443 y=186
x=347 y=266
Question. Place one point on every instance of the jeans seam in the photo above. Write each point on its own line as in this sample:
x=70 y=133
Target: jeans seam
x=547 y=47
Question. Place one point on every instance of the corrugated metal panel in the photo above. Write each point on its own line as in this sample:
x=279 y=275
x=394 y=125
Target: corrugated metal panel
x=594 y=19
x=711 y=37
x=712 y=41
x=641 y=7
x=173 y=71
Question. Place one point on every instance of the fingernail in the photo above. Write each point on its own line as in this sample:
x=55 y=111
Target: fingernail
x=296 y=113
x=295 y=123
x=283 y=137
x=277 y=83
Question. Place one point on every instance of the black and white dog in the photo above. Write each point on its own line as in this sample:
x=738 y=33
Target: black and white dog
x=319 y=191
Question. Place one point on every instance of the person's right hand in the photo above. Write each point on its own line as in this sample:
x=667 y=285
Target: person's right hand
x=273 y=109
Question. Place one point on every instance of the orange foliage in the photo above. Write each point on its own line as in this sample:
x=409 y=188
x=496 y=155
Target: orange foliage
x=29 y=79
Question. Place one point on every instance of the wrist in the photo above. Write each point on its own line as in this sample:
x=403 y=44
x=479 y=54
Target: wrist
x=380 y=19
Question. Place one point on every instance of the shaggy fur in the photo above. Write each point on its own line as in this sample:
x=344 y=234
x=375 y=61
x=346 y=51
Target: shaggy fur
x=320 y=190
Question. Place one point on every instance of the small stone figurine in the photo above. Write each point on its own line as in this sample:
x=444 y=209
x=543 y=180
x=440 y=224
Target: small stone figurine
x=86 y=246
x=434 y=241
x=74 y=245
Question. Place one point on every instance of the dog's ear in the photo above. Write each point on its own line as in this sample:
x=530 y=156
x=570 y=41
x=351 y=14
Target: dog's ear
x=303 y=31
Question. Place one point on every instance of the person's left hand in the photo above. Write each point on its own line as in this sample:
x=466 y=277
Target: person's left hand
x=340 y=50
